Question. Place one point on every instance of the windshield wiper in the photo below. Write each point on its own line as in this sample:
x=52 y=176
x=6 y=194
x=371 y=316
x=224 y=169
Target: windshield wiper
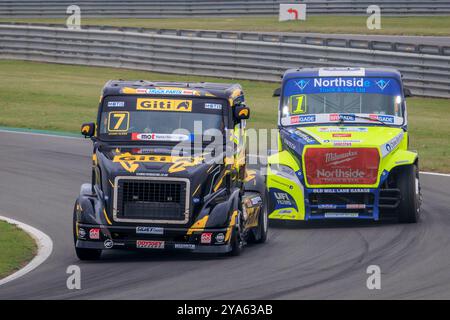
x=342 y=121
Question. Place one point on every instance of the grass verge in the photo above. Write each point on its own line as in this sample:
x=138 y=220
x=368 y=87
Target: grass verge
x=404 y=25
x=60 y=97
x=17 y=248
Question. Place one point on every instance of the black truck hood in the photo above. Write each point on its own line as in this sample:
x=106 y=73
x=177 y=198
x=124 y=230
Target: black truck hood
x=155 y=161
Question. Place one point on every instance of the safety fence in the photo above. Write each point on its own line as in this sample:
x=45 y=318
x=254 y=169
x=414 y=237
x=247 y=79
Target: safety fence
x=424 y=74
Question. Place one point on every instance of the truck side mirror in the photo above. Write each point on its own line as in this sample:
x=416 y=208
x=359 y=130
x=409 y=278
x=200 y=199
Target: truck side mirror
x=277 y=92
x=88 y=130
x=407 y=93
x=241 y=112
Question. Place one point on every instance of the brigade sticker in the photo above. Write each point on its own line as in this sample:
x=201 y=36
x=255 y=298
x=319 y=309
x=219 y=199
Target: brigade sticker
x=174 y=105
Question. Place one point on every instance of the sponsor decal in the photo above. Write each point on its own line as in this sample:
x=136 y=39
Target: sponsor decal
x=285 y=212
x=327 y=206
x=184 y=246
x=220 y=238
x=344 y=143
x=302 y=84
x=341 y=82
x=256 y=200
x=290 y=144
x=342 y=129
x=382 y=84
x=341 y=191
x=391 y=145
x=108 y=244
x=116 y=104
x=282 y=198
x=384 y=118
x=162 y=91
x=341 y=165
x=149 y=230
x=94 y=234
x=164 y=105
x=342 y=117
x=81 y=233
x=303 y=119
x=341 y=215
x=333 y=158
x=306 y=137
x=131 y=162
x=150 y=244
x=356 y=206
x=206 y=238
x=213 y=106
x=342 y=135
x=159 y=137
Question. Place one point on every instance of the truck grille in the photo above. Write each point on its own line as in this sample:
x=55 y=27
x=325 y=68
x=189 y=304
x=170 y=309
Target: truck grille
x=151 y=200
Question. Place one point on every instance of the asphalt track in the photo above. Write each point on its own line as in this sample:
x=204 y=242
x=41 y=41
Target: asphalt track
x=40 y=177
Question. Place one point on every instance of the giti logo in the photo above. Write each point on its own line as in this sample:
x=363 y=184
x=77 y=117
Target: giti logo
x=164 y=105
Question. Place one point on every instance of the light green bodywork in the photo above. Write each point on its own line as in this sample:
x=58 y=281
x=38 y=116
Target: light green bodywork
x=280 y=164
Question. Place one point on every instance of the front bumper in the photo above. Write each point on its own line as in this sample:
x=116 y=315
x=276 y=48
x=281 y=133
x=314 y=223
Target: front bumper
x=155 y=239
x=291 y=200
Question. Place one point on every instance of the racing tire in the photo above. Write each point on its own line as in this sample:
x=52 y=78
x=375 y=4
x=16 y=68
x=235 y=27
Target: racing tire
x=237 y=241
x=259 y=234
x=409 y=185
x=83 y=254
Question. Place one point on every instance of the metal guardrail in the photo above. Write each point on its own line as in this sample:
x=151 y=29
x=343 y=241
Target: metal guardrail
x=177 y=8
x=426 y=75
x=344 y=41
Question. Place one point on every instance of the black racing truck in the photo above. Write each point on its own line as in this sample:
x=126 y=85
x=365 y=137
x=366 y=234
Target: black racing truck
x=169 y=172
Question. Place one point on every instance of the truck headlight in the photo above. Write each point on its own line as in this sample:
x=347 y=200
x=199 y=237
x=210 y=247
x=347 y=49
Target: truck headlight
x=282 y=170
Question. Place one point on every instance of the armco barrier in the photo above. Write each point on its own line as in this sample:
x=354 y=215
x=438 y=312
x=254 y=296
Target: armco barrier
x=425 y=74
x=184 y=8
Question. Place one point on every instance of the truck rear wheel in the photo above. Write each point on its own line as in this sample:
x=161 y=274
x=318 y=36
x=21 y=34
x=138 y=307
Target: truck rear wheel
x=408 y=183
x=83 y=254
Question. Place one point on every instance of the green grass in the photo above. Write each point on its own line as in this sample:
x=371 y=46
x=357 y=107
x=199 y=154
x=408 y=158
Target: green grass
x=16 y=249
x=60 y=97
x=423 y=25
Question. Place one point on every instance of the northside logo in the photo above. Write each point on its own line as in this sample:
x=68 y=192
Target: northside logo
x=164 y=105
x=340 y=82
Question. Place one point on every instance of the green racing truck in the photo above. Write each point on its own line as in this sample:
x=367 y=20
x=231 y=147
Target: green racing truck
x=343 y=147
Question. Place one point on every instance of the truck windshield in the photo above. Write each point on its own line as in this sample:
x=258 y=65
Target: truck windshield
x=149 y=118
x=342 y=99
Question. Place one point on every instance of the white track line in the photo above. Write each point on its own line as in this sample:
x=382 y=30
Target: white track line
x=45 y=248
x=435 y=174
x=31 y=133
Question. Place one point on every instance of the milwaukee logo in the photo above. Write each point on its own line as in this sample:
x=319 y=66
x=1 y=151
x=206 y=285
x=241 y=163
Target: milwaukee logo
x=334 y=158
x=340 y=173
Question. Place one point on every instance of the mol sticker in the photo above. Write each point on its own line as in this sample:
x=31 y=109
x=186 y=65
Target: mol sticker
x=159 y=137
x=174 y=105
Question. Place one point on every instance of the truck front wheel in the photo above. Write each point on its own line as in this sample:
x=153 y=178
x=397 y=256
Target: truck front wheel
x=408 y=183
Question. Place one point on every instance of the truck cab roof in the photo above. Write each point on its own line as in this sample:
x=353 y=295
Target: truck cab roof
x=341 y=72
x=229 y=91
